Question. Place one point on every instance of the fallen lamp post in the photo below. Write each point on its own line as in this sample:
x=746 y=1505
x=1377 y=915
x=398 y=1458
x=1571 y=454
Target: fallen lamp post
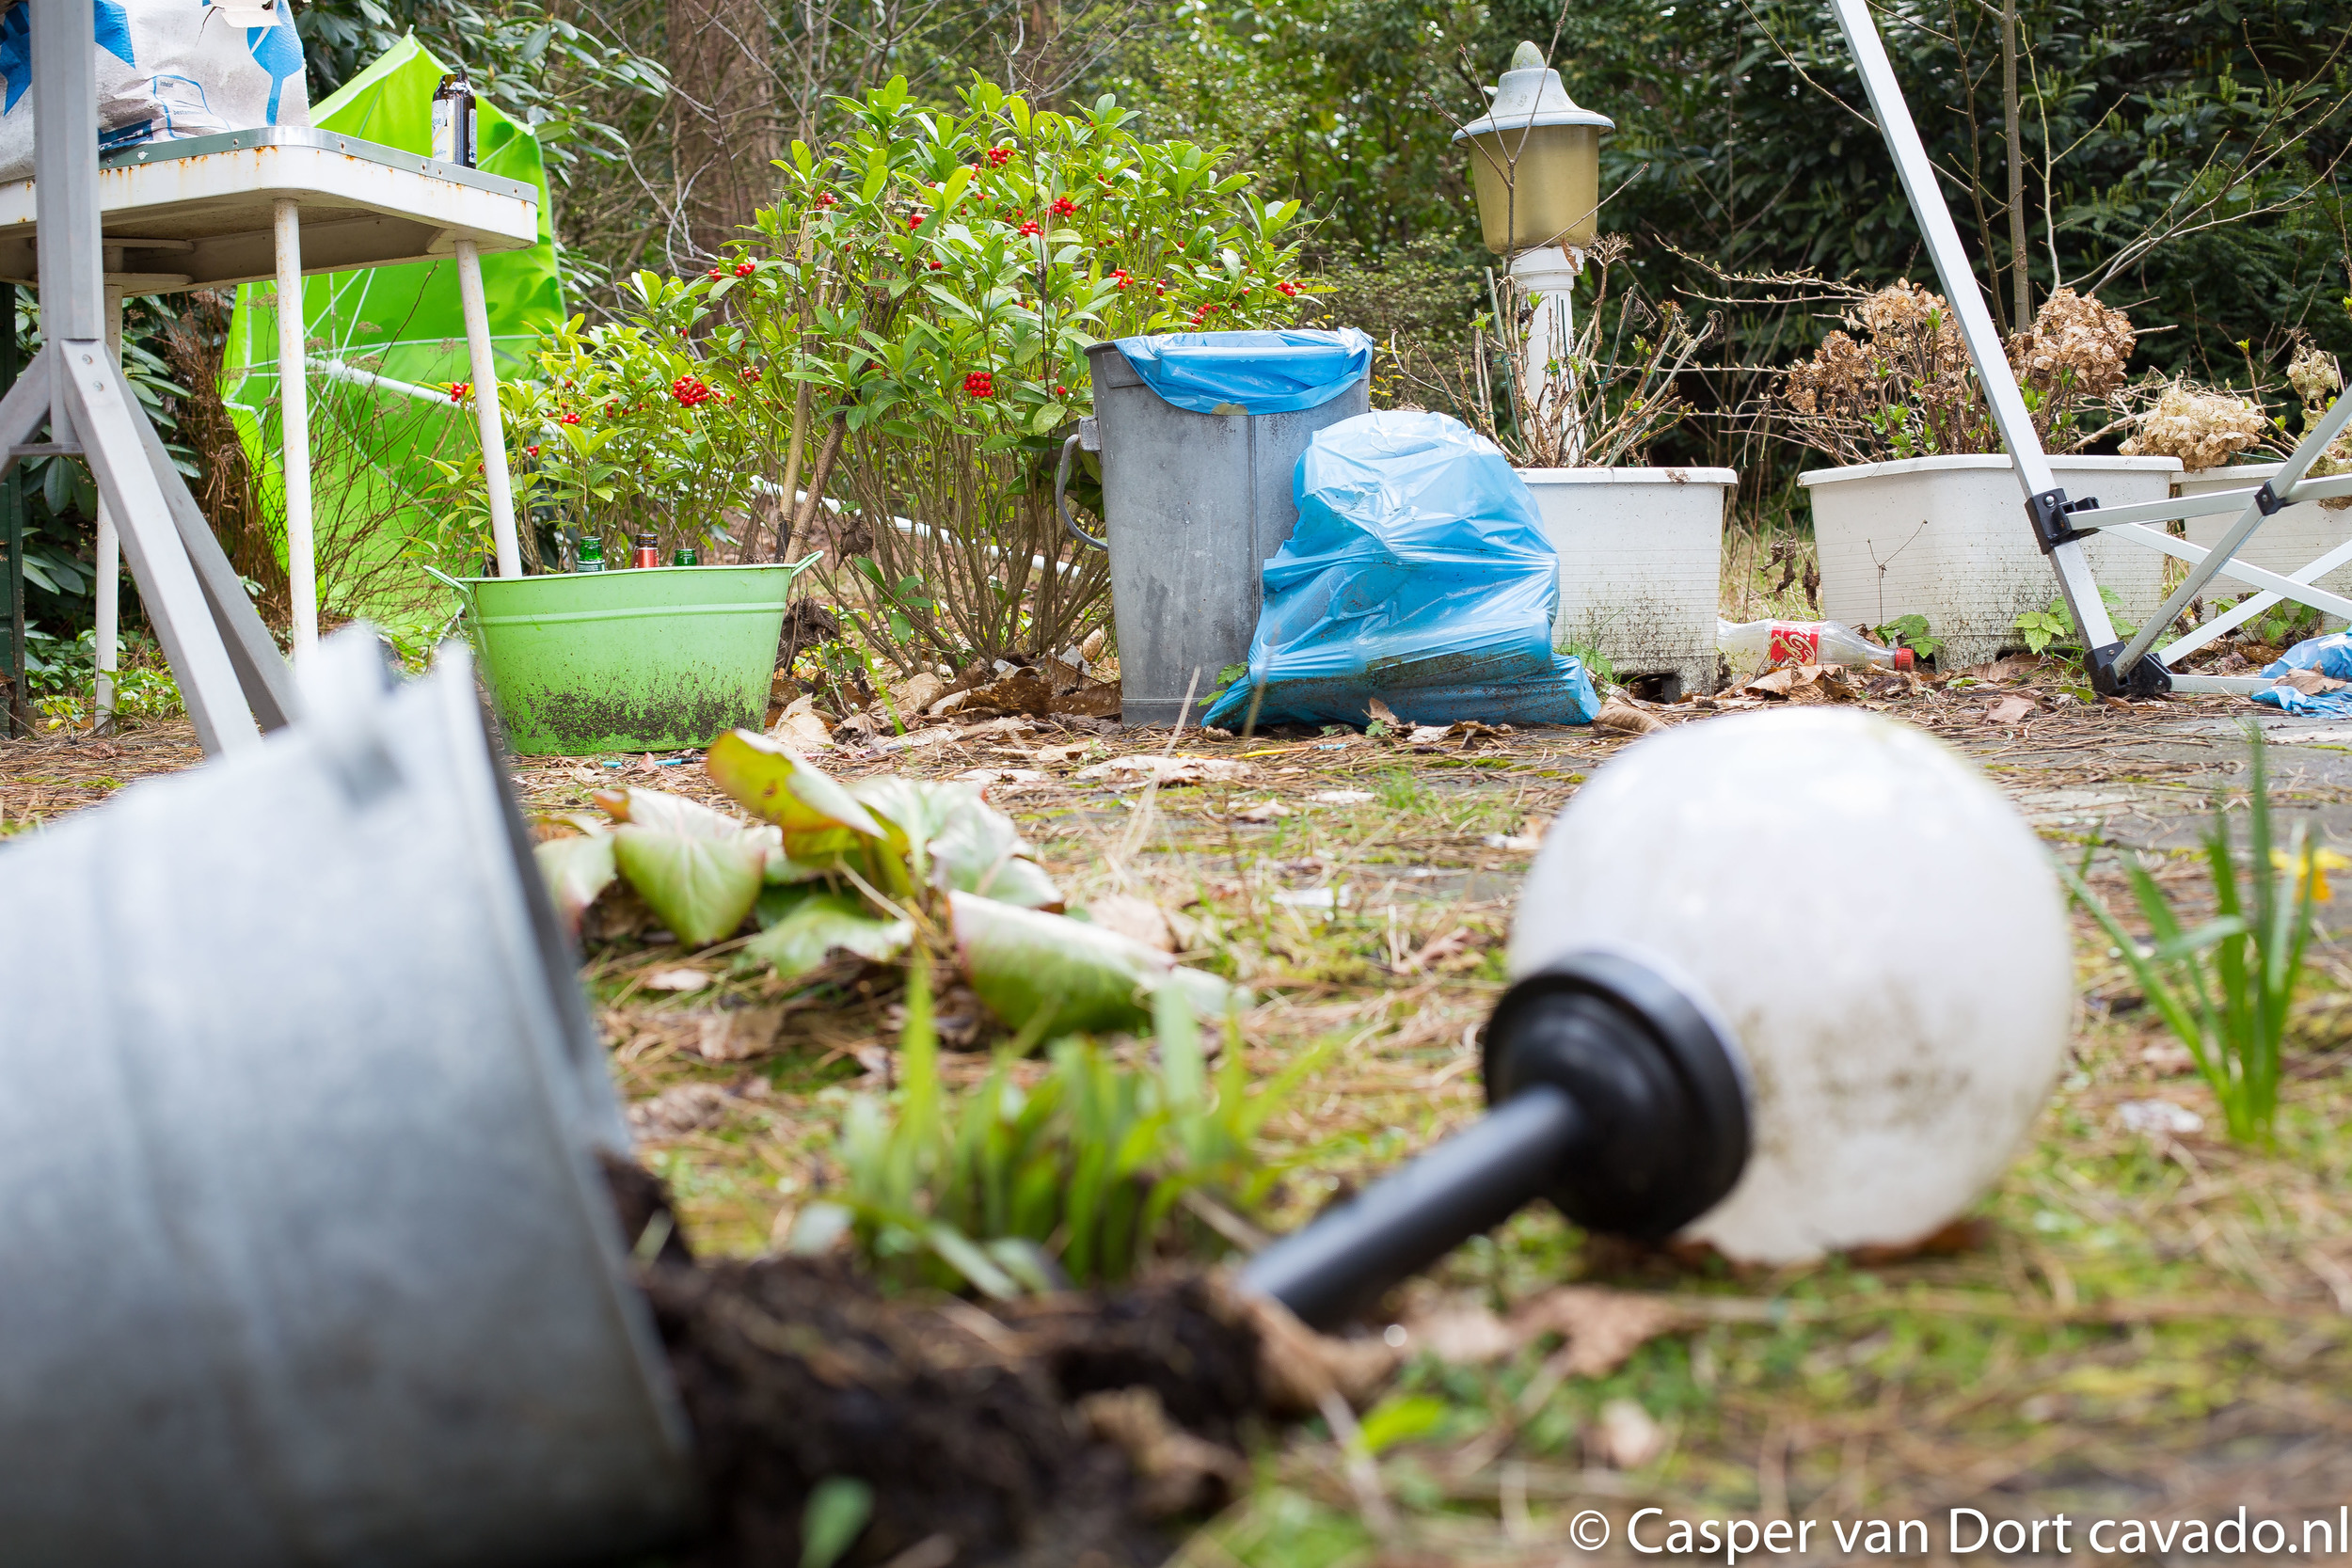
x=1868 y=1090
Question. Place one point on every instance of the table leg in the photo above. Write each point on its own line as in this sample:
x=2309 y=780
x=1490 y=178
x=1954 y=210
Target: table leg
x=109 y=569
x=293 y=408
x=485 y=405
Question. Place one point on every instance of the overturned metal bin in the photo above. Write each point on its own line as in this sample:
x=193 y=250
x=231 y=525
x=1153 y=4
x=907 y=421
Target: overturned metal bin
x=1196 y=491
x=304 y=1252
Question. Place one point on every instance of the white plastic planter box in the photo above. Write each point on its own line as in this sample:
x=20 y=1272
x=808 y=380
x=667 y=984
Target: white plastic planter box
x=1641 y=564
x=2289 y=540
x=1947 y=538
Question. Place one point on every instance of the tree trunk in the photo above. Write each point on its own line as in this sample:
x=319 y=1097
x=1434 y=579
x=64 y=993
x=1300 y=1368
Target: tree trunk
x=723 y=109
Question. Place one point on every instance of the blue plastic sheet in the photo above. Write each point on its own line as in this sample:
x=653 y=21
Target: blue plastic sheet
x=1250 y=373
x=1418 y=573
x=2331 y=655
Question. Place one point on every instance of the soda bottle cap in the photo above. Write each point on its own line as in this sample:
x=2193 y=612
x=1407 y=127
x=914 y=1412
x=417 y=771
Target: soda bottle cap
x=648 y=541
x=1902 y=659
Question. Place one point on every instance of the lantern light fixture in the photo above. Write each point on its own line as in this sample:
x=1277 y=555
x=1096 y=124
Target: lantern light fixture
x=1536 y=161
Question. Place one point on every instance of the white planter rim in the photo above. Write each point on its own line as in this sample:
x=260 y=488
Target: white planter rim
x=1958 y=461
x=1629 y=476
x=2231 y=476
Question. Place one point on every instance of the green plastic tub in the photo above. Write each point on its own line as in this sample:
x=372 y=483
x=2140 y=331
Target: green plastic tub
x=656 y=659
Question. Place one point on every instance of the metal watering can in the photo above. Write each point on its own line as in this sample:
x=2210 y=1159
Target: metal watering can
x=307 y=1256
x=1200 y=435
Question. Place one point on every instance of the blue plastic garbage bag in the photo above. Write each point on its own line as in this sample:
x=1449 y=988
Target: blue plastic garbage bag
x=1250 y=373
x=1418 y=573
x=2331 y=655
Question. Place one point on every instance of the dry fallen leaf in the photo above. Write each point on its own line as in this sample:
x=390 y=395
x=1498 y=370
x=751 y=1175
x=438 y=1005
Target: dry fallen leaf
x=1463 y=1334
x=1339 y=797
x=679 y=1109
x=1022 y=691
x=802 y=727
x=917 y=696
x=676 y=979
x=2013 y=709
x=1089 y=699
x=1136 y=918
x=1263 y=811
x=1382 y=713
x=1298 y=1368
x=1626 y=1437
x=1177 y=1472
x=1602 y=1326
x=2311 y=682
x=1803 y=683
x=737 y=1034
x=1001 y=776
x=1139 y=767
x=1619 y=717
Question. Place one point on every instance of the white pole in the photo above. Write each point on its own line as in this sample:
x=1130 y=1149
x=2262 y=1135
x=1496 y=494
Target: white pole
x=109 y=568
x=486 y=406
x=294 y=412
x=1549 y=275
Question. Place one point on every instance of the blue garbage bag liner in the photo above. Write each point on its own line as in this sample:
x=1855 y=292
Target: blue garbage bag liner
x=2331 y=655
x=1418 y=573
x=1250 y=373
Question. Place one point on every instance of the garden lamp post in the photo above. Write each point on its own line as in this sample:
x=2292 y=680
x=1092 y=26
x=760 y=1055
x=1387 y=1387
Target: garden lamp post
x=1535 y=164
x=1715 y=1030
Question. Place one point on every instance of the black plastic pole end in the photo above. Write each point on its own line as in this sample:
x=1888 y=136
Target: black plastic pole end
x=1658 y=1083
x=2144 y=680
x=1613 y=1095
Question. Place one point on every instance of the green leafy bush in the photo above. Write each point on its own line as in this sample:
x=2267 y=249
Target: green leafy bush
x=931 y=281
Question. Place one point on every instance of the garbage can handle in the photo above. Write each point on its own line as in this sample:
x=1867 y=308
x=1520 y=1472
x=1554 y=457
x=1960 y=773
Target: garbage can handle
x=1061 y=483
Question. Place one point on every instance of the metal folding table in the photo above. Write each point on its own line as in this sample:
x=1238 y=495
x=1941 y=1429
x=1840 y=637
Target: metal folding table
x=2059 y=523
x=279 y=203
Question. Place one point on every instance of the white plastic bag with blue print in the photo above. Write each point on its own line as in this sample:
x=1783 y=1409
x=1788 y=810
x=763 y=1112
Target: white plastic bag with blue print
x=168 y=70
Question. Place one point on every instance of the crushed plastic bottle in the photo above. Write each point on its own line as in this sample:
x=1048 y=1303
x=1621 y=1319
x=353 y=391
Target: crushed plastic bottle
x=1806 y=642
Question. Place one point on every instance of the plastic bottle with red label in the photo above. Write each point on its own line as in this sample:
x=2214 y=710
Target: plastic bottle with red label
x=1806 y=642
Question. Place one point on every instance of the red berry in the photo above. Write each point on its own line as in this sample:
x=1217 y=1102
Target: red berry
x=744 y=269
x=979 y=383
x=457 y=391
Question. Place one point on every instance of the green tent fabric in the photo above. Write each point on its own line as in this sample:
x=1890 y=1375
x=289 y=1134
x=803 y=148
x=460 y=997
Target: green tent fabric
x=384 y=345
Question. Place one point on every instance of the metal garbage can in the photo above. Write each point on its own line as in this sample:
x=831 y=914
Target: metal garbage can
x=1196 y=492
x=309 y=1256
